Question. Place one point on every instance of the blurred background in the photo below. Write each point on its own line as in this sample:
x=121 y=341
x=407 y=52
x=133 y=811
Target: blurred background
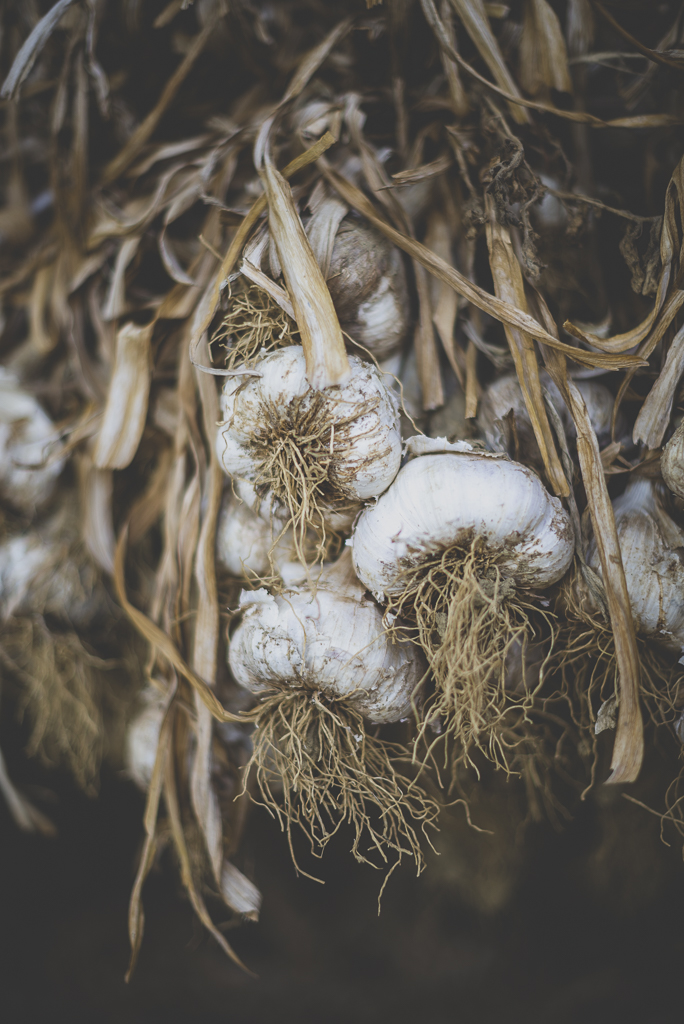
x=583 y=925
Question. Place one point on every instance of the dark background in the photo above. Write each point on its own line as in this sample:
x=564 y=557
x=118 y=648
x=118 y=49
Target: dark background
x=591 y=930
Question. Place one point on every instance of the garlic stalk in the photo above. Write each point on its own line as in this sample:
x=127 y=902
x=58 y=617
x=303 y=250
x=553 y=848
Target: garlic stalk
x=323 y=666
x=29 y=448
x=311 y=457
x=455 y=546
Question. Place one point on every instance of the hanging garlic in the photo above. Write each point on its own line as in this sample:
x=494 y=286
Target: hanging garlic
x=312 y=457
x=330 y=640
x=248 y=546
x=672 y=462
x=368 y=285
x=322 y=664
x=504 y=395
x=650 y=542
x=29 y=445
x=142 y=738
x=47 y=571
x=452 y=546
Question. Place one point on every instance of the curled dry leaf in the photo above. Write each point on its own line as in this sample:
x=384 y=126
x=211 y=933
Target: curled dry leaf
x=129 y=391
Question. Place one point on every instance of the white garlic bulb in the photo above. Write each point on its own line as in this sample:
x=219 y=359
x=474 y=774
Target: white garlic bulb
x=368 y=285
x=243 y=539
x=504 y=395
x=248 y=546
x=332 y=641
x=142 y=738
x=650 y=542
x=29 y=445
x=47 y=571
x=448 y=546
x=309 y=455
x=449 y=497
x=672 y=462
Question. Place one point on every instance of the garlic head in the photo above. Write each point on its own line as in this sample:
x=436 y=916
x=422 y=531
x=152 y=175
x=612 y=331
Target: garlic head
x=444 y=499
x=368 y=285
x=333 y=641
x=649 y=543
x=28 y=446
x=672 y=462
x=309 y=455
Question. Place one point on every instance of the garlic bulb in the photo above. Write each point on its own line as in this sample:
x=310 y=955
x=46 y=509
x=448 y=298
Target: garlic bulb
x=249 y=546
x=323 y=667
x=332 y=641
x=46 y=571
x=672 y=462
x=28 y=445
x=312 y=457
x=650 y=543
x=504 y=395
x=368 y=285
x=452 y=546
x=142 y=738
x=450 y=497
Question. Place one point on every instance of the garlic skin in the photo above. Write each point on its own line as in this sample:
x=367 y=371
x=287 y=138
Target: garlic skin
x=505 y=394
x=46 y=571
x=445 y=498
x=243 y=539
x=331 y=640
x=142 y=739
x=247 y=546
x=365 y=442
x=672 y=462
x=654 y=572
x=27 y=440
x=368 y=285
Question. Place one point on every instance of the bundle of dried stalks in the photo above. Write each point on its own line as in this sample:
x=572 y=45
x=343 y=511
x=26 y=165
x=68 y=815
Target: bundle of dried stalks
x=185 y=187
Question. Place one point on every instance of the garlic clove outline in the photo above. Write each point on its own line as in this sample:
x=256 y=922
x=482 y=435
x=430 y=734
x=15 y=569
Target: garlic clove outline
x=650 y=542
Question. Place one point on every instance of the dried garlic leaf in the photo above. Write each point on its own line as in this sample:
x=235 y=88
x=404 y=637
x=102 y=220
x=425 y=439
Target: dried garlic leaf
x=474 y=17
x=543 y=57
x=509 y=286
x=129 y=391
x=324 y=350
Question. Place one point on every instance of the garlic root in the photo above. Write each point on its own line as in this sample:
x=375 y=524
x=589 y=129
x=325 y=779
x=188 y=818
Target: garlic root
x=324 y=668
x=454 y=547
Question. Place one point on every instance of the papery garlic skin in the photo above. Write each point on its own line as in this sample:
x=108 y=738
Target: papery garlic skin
x=654 y=572
x=44 y=571
x=332 y=641
x=28 y=445
x=505 y=394
x=142 y=739
x=368 y=285
x=366 y=450
x=672 y=462
x=243 y=539
x=248 y=546
x=439 y=500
